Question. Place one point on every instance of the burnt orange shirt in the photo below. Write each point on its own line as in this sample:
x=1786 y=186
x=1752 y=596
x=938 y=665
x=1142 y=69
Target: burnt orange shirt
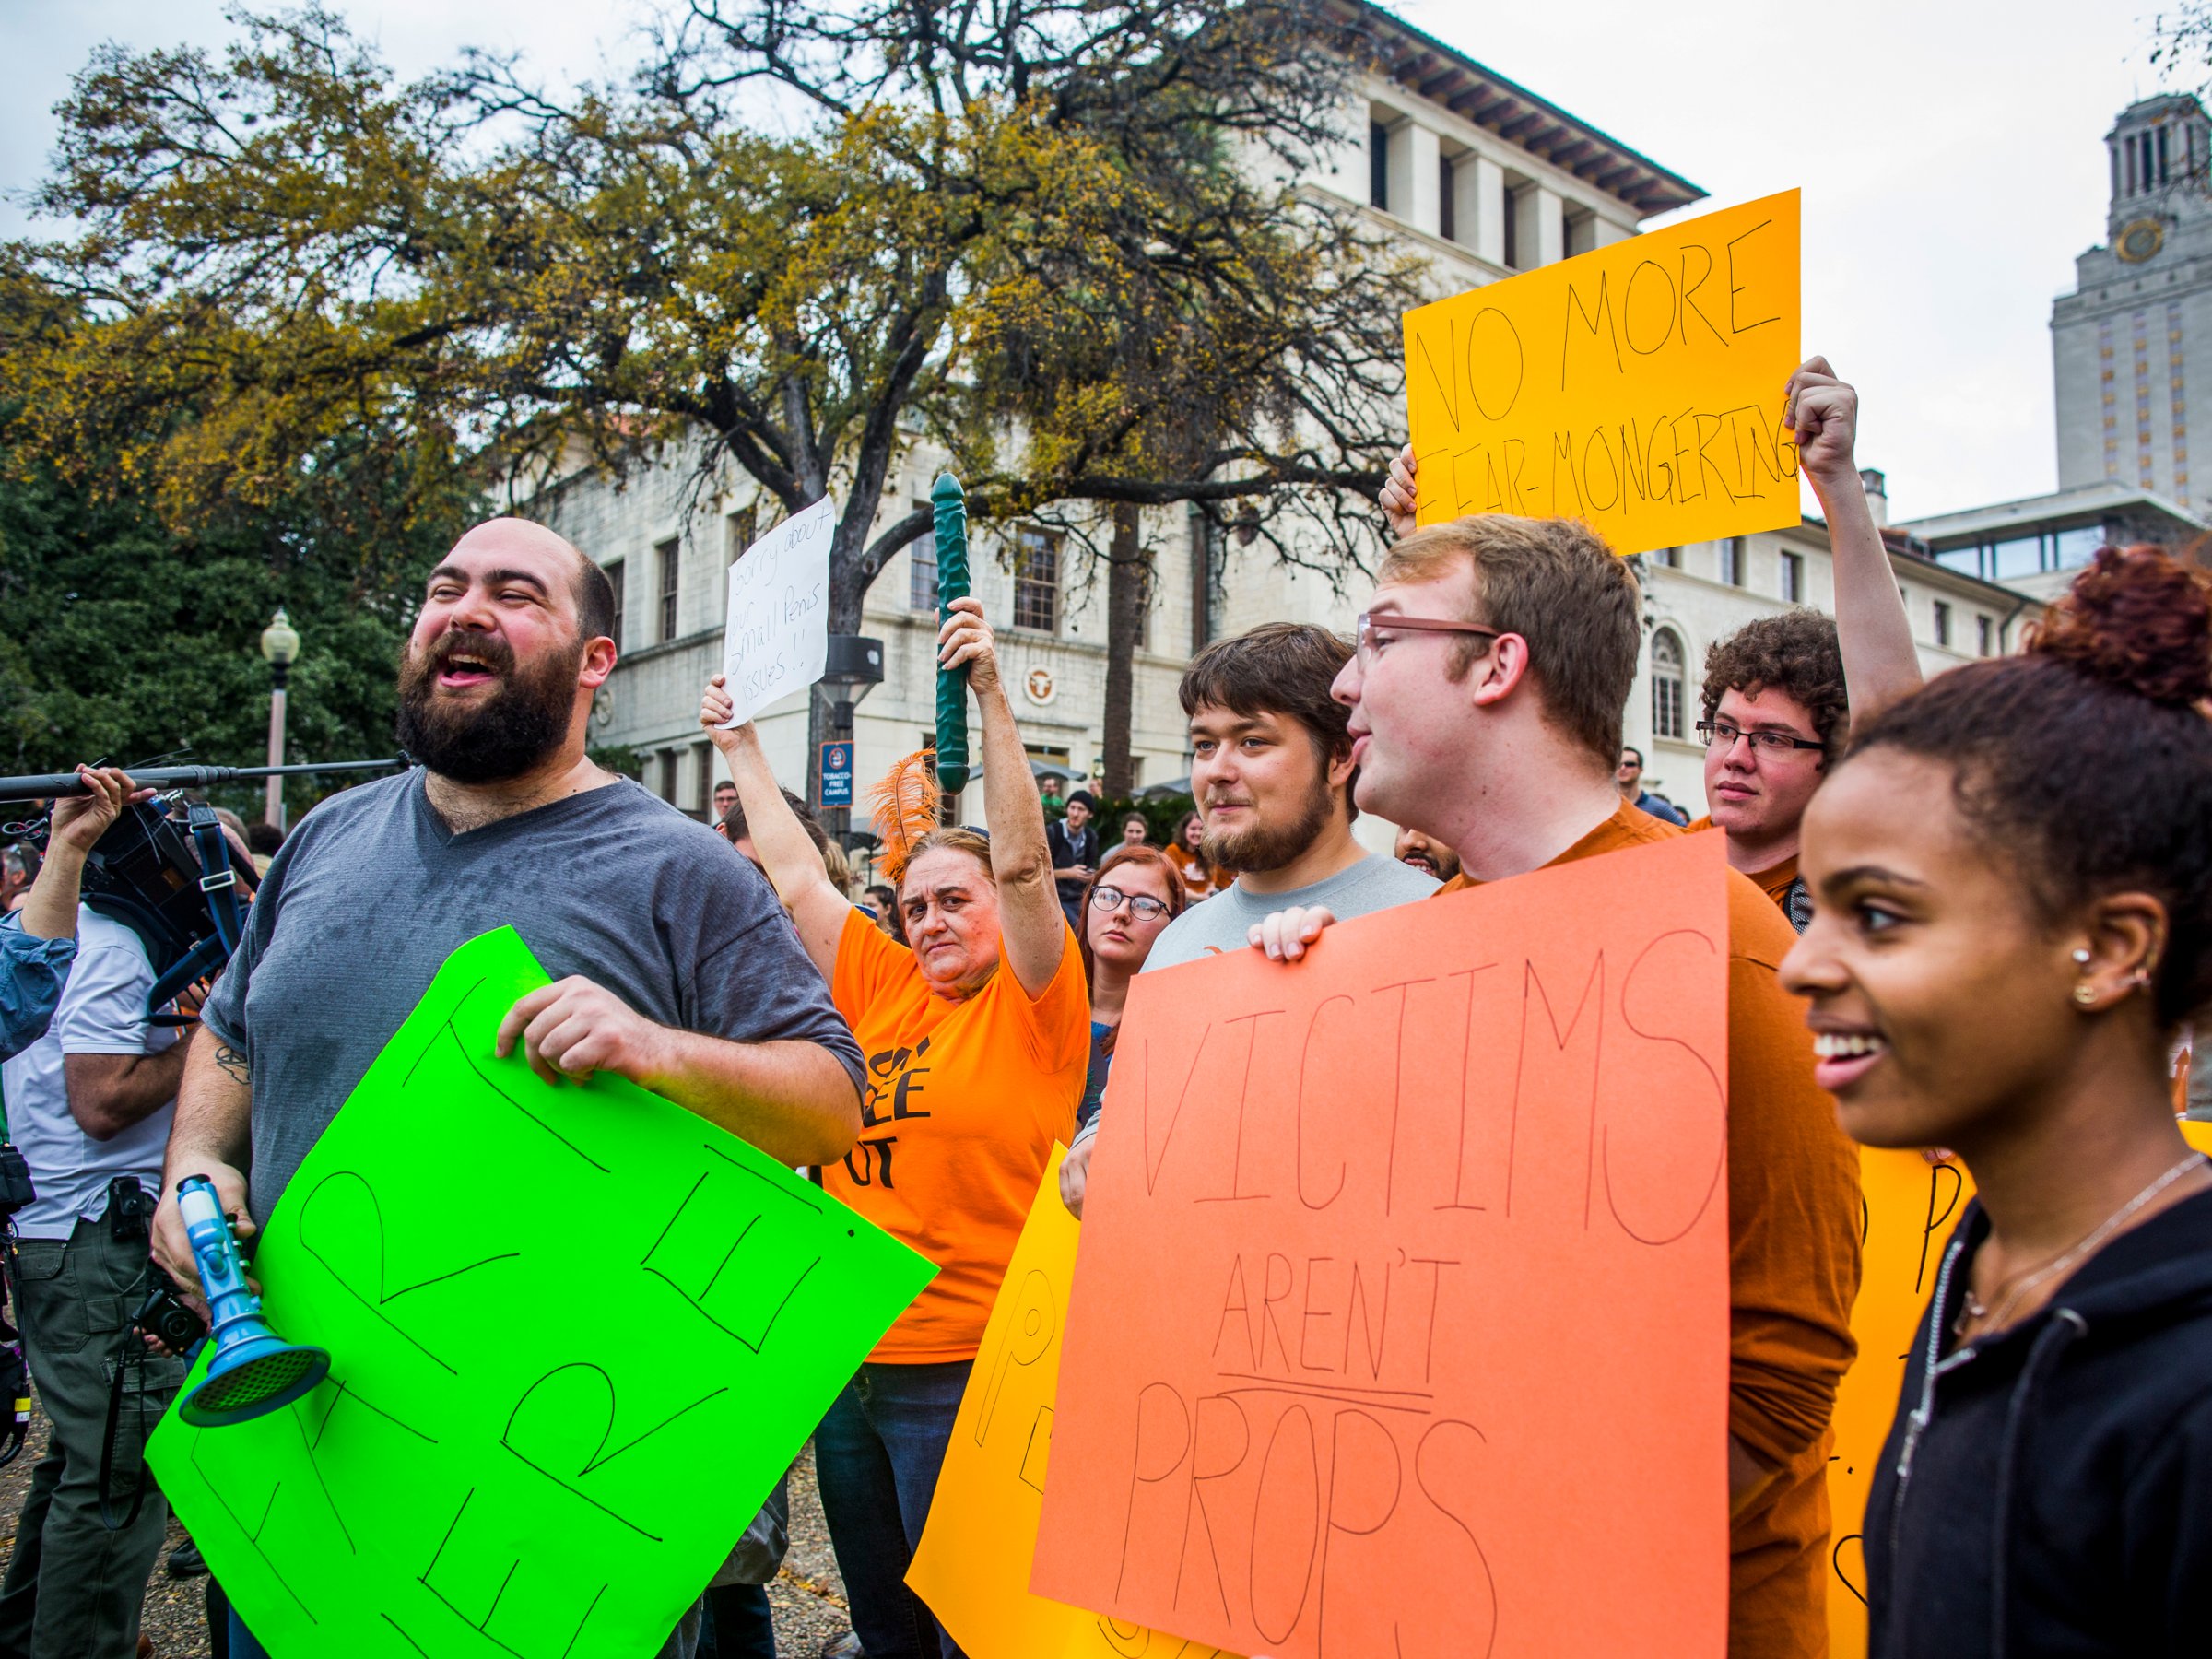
x=964 y=1101
x=1198 y=881
x=1774 y=881
x=1792 y=1270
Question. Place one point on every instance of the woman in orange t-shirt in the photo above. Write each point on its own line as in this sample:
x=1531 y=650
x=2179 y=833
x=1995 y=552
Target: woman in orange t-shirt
x=976 y=1039
x=1199 y=877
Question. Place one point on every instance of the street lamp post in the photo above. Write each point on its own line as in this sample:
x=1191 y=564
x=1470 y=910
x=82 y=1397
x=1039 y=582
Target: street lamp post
x=280 y=648
x=856 y=668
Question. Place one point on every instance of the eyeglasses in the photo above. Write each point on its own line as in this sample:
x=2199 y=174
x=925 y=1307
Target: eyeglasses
x=1142 y=905
x=1720 y=735
x=1393 y=622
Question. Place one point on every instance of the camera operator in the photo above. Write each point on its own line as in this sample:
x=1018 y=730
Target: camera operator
x=88 y=1104
x=38 y=941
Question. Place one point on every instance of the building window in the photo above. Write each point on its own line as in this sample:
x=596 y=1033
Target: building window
x=1731 y=551
x=1378 y=166
x=1793 y=578
x=1943 y=623
x=2017 y=555
x=739 y=530
x=615 y=574
x=1036 y=580
x=1669 y=557
x=1668 y=684
x=1202 y=580
x=922 y=568
x=670 y=554
x=1985 y=637
x=1512 y=230
x=667 y=780
x=1447 y=225
x=703 y=803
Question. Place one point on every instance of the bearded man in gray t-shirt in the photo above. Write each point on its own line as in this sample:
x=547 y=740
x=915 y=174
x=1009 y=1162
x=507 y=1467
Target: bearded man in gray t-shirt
x=1272 y=766
x=674 y=966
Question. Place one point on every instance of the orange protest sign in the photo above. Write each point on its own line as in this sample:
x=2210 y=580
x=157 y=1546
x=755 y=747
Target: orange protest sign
x=972 y=1566
x=1400 y=1323
x=1638 y=386
x=1910 y=1208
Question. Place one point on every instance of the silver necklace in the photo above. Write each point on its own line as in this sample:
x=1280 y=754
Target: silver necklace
x=1973 y=1307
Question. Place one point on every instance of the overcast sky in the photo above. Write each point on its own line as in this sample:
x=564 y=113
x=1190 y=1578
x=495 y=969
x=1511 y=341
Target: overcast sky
x=1951 y=154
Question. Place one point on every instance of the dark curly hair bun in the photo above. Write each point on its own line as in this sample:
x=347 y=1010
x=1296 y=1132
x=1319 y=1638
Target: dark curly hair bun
x=2089 y=758
x=2139 y=619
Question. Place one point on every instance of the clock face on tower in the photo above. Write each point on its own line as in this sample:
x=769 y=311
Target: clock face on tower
x=2139 y=241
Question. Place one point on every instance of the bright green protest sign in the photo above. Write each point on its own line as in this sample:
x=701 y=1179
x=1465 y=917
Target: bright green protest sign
x=576 y=1333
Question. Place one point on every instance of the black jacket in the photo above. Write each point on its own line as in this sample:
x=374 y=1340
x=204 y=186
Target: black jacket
x=1070 y=847
x=2050 y=1493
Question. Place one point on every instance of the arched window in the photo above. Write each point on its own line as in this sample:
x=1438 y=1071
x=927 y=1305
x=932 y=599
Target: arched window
x=1667 y=684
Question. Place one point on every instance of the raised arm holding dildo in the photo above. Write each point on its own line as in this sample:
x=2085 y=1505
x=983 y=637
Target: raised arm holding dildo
x=977 y=1036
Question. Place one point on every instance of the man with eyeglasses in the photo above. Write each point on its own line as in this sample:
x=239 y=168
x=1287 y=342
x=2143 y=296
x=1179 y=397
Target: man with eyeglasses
x=1776 y=714
x=1780 y=694
x=1485 y=699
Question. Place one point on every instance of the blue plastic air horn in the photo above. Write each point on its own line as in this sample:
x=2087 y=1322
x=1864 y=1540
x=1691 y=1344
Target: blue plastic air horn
x=253 y=1373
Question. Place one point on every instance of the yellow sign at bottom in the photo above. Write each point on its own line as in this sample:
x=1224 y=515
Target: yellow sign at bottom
x=972 y=1566
x=1910 y=1208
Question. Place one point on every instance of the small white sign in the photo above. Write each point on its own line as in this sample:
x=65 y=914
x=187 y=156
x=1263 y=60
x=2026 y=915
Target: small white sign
x=778 y=631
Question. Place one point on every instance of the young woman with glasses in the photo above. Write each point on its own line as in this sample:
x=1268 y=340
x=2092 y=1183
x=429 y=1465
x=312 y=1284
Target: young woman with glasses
x=1135 y=894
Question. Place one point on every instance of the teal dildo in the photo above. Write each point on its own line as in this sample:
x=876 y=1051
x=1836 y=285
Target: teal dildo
x=251 y=1372
x=951 y=509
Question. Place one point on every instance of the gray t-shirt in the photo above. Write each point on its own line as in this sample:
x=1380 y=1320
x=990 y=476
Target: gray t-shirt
x=372 y=893
x=1224 y=921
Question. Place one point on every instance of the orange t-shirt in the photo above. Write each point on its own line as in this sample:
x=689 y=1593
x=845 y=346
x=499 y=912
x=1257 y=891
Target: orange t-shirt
x=1792 y=1270
x=964 y=1101
x=1774 y=881
x=1198 y=881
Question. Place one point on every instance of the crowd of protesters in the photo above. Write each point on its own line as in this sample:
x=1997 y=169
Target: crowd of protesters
x=1973 y=914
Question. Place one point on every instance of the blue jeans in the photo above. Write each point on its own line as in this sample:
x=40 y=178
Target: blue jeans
x=875 y=1460
x=682 y=1644
x=740 y=1623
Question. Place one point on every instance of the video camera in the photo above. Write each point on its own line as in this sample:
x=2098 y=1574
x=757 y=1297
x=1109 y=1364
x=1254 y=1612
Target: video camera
x=169 y=873
x=165 y=870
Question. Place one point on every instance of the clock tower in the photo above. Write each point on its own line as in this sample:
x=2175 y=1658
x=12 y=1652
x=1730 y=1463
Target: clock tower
x=2132 y=346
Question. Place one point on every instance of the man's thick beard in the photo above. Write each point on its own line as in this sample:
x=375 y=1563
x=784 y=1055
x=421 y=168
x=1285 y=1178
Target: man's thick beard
x=1267 y=847
x=512 y=731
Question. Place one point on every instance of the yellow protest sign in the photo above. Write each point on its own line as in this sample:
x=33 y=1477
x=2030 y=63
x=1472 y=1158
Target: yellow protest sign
x=972 y=1567
x=1911 y=1208
x=1638 y=386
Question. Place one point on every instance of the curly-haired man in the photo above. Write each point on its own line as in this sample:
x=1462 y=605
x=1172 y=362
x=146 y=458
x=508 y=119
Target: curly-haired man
x=1776 y=714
